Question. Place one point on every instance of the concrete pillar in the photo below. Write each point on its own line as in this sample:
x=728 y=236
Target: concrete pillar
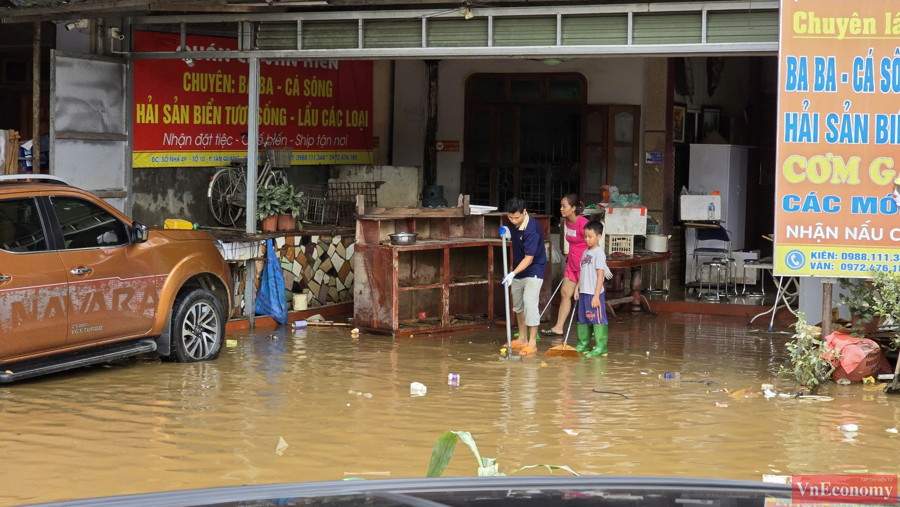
x=36 y=99
x=429 y=164
x=382 y=75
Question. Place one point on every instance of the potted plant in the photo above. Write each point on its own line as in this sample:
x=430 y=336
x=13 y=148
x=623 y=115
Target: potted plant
x=267 y=208
x=290 y=204
x=862 y=303
x=812 y=362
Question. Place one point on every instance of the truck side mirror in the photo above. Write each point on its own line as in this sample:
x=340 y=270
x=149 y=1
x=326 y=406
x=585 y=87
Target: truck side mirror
x=139 y=233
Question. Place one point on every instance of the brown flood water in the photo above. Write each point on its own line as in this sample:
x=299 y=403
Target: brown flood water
x=144 y=426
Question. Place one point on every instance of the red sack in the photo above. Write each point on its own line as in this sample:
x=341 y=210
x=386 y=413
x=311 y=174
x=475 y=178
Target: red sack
x=860 y=357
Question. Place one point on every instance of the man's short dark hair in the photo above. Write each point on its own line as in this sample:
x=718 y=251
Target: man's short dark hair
x=594 y=226
x=515 y=205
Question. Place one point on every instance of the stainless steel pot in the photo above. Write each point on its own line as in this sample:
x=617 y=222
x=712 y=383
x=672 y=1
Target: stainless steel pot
x=403 y=239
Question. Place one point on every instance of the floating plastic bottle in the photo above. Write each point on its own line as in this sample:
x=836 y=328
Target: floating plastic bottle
x=670 y=374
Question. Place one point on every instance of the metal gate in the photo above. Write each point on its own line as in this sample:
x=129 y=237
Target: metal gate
x=90 y=125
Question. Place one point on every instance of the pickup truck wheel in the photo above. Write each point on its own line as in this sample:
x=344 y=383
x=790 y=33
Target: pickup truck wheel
x=198 y=327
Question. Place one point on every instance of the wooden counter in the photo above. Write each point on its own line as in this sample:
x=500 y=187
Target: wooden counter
x=452 y=274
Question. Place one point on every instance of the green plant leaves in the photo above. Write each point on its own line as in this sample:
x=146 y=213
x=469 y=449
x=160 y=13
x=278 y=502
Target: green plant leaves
x=812 y=362
x=487 y=467
x=490 y=468
x=441 y=454
x=280 y=199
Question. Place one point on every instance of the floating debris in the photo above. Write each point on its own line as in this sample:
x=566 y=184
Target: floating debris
x=610 y=392
x=417 y=389
x=282 y=445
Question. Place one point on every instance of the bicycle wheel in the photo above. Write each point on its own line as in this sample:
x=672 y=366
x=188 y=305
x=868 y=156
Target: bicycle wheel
x=221 y=190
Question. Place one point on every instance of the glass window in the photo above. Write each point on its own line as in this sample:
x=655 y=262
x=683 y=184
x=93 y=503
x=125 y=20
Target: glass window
x=565 y=90
x=624 y=129
x=520 y=91
x=623 y=172
x=487 y=90
x=86 y=225
x=480 y=125
x=20 y=226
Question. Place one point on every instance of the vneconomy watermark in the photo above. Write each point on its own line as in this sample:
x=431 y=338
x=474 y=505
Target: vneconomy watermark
x=866 y=489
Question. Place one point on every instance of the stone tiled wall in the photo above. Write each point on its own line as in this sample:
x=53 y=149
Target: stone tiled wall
x=321 y=264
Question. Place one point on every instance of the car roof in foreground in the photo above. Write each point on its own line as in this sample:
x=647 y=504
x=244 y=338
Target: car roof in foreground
x=465 y=491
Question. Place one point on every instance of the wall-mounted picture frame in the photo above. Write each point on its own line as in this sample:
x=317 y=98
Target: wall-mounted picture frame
x=679 y=113
x=710 y=121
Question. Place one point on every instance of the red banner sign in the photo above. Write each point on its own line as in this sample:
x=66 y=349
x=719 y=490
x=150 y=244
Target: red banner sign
x=193 y=113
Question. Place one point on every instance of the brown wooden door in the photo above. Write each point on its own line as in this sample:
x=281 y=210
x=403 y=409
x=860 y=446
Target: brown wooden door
x=593 y=152
x=623 y=138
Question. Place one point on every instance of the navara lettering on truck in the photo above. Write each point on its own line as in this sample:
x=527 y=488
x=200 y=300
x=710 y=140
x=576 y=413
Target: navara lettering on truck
x=111 y=296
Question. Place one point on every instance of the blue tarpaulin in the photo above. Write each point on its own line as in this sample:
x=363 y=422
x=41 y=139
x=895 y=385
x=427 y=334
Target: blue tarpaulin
x=270 y=300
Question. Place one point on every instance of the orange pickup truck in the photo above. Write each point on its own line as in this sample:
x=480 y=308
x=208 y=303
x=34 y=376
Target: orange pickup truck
x=81 y=283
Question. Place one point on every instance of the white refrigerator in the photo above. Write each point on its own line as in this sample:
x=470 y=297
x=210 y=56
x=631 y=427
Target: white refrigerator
x=722 y=168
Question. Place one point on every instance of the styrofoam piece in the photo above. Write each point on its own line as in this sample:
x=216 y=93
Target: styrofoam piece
x=630 y=221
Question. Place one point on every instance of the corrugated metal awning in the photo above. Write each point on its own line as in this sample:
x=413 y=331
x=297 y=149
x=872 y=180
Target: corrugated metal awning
x=525 y=32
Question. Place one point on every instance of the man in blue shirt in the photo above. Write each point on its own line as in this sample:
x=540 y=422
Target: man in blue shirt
x=526 y=279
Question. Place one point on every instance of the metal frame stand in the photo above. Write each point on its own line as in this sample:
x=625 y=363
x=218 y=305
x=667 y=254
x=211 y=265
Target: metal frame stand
x=718 y=270
x=654 y=272
x=754 y=265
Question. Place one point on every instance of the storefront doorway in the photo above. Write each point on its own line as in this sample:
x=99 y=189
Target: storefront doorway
x=534 y=136
x=724 y=133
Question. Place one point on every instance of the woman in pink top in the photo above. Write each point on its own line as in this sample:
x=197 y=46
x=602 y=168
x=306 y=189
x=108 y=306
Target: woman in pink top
x=573 y=225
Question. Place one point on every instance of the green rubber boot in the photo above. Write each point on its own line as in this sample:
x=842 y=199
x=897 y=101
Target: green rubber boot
x=601 y=337
x=584 y=338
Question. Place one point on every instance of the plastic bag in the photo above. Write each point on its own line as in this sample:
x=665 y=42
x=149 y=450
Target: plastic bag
x=624 y=200
x=556 y=255
x=270 y=300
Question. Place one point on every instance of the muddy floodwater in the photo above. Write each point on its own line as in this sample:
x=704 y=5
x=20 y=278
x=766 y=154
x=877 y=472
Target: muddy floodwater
x=143 y=426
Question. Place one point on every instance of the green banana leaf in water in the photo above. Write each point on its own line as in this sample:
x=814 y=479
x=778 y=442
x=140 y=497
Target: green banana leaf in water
x=487 y=467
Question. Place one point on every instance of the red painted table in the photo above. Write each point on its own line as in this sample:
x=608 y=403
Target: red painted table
x=634 y=263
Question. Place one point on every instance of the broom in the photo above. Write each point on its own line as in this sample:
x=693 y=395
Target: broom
x=565 y=350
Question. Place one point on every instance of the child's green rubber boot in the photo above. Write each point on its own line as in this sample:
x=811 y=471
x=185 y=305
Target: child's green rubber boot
x=601 y=337
x=584 y=338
